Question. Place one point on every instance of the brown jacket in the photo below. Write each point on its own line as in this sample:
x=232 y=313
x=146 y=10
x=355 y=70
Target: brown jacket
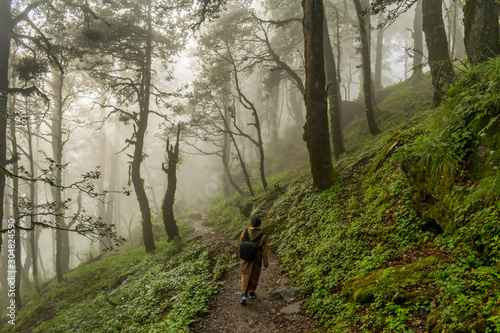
x=250 y=270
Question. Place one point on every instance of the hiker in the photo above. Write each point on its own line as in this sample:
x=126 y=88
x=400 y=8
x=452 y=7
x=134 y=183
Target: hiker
x=250 y=269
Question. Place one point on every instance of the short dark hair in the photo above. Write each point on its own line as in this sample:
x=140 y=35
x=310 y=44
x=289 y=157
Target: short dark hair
x=256 y=221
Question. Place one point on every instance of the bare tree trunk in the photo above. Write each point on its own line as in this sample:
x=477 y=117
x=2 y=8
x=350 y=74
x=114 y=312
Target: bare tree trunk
x=418 y=44
x=101 y=205
x=113 y=176
x=247 y=104
x=366 y=64
x=378 y=57
x=4 y=297
x=33 y=200
x=15 y=205
x=333 y=93
x=226 y=147
x=316 y=133
x=273 y=108
x=240 y=158
x=62 y=238
x=147 y=227
x=5 y=30
x=437 y=46
x=168 y=200
x=481 y=30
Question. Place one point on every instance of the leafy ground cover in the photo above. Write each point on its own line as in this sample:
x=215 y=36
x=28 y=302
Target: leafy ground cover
x=408 y=240
x=126 y=291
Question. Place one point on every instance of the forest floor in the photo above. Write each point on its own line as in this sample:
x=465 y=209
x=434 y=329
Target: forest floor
x=275 y=310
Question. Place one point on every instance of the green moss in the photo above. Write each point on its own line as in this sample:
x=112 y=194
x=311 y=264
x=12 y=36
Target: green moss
x=363 y=288
x=391 y=143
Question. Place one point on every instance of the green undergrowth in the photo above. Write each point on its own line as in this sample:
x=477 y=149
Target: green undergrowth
x=408 y=240
x=126 y=291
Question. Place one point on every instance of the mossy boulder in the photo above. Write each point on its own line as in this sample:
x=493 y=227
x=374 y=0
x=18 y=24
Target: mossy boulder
x=362 y=289
x=429 y=200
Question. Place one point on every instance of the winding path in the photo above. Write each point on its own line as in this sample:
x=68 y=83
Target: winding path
x=268 y=313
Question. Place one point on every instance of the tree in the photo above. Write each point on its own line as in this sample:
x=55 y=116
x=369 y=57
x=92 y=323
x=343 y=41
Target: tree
x=435 y=38
x=124 y=55
x=6 y=27
x=437 y=46
x=366 y=64
x=418 y=44
x=211 y=117
x=57 y=142
x=333 y=91
x=144 y=95
x=481 y=30
x=15 y=206
x=316 y=132
x=168 y=200
x=378 y=55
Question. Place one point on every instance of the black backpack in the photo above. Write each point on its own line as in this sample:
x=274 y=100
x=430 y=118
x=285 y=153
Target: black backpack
x=248 y=248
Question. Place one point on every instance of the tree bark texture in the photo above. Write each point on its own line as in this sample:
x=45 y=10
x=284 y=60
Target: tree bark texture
x=168 y=201
x=366 y=64
x=333 y=93
x=481 y=30
x=437 y=46
x=418 y=44
x=316 y=133
x=5 y=30
x=142 y=124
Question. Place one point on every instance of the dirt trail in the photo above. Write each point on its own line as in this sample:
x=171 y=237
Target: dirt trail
x=268 y=313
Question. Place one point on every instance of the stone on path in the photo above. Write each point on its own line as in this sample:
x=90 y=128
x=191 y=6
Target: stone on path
x=284 y=293
x=292 y=308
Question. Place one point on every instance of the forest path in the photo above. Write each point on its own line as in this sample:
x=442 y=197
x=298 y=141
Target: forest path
x=275 y=310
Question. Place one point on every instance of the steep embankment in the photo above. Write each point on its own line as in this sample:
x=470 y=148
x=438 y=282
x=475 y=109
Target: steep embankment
x=408 y=240
x=126 y=291
x=168 y=291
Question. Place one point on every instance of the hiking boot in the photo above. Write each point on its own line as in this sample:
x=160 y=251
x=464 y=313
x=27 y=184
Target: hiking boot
x=252 y=295
x=243 y=299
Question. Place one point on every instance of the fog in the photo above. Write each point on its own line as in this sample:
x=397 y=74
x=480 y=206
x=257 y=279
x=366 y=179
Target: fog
x=100 y=82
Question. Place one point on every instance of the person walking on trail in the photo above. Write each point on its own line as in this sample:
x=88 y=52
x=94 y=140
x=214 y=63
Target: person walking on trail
x=253 y=247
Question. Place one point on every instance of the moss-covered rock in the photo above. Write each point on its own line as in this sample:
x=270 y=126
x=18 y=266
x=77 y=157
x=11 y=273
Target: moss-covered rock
x=362 y=289
x=430 y=201
x=419 y=296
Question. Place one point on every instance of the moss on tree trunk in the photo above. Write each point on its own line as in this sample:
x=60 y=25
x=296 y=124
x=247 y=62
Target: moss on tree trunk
x=481 y=30
x=316 y=132
x=437 y=45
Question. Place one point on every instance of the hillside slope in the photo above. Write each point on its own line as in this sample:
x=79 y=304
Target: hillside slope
x=408 y=240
